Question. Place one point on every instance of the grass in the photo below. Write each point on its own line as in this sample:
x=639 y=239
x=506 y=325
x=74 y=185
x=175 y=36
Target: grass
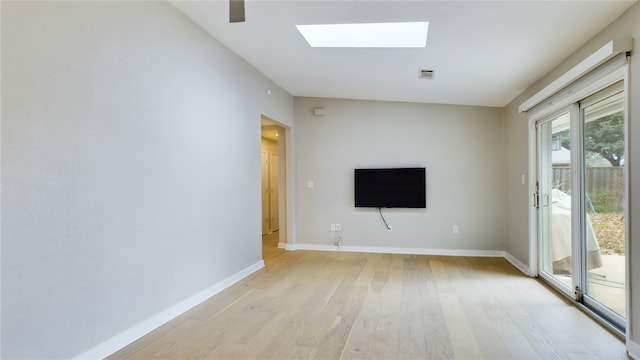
x=609 y=230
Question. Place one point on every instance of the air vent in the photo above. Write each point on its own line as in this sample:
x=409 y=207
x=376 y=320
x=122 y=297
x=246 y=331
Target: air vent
x=426 y=74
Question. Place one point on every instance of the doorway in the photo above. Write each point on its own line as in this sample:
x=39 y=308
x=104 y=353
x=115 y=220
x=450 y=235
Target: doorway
x=580 y=201
x=269 y=171
x=273 y=146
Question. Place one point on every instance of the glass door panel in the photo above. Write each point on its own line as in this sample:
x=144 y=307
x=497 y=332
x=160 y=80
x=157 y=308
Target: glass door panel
x=604 y=218
x=554 y=201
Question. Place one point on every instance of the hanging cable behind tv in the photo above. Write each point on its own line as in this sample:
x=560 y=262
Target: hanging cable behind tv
x=383 y=220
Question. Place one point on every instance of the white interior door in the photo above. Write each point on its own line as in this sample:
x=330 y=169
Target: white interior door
x=273 y=192
x=265 y=192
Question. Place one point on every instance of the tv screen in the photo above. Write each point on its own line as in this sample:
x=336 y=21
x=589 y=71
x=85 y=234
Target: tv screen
x=388 y=188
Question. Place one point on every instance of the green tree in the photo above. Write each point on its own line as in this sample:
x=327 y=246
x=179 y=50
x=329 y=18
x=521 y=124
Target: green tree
x=604 y=136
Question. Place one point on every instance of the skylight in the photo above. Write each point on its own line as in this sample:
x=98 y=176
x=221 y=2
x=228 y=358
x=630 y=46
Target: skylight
x=373 y=35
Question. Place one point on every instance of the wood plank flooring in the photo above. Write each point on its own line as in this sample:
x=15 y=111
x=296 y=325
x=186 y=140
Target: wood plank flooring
x=333 y=305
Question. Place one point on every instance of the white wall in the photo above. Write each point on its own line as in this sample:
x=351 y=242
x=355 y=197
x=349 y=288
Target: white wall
x=627 y=26
x=460 y=146
x=130 y=168
x=517 y=164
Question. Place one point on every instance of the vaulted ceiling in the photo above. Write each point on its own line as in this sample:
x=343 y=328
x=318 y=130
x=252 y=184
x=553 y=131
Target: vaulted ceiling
x=483 y=52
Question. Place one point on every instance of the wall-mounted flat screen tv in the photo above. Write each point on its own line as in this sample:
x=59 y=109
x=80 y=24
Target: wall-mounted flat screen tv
x=390 y=188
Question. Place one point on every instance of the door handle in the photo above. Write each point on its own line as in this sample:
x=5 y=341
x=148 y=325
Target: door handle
x=536 y=197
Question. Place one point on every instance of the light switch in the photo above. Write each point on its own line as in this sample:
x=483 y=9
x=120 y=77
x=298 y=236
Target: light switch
x=310 y=184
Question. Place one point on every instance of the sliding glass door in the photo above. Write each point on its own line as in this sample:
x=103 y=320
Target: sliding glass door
x=553 y=198
x=580 y=197
x=603 y=217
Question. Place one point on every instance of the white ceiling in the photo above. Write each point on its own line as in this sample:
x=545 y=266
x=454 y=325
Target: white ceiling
x=483 y=52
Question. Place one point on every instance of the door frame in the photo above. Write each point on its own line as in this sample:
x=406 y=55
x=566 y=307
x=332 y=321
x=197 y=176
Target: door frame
x=601 y=82
x=286 y=194
x=587 y=299
x=576 y=253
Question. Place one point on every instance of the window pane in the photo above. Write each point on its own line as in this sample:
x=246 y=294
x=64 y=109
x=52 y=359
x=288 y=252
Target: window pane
x=555 y=200
x=603 y=148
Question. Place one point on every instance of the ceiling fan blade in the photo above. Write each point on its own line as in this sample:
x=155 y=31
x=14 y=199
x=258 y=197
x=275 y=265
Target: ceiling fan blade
x=236 y=11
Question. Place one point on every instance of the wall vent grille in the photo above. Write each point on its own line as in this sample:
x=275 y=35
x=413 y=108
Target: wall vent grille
x=426 y=74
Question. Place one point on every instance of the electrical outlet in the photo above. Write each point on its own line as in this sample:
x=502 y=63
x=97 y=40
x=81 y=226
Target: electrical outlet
x=338 y=227
x=390 y=228
x=456 y=229
x=333 y=227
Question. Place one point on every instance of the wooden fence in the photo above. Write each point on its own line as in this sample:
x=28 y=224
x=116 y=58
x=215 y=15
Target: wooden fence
x=604 y=185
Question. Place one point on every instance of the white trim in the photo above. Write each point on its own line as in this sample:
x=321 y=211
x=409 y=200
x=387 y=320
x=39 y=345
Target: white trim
x=633 y=349
x=517 y=263
x=600 y=56
x=407 y=251
x=137 y=331
x=577 y=202
x=627 y=206
x=533 y=214
x=282 y=245
x=292 y=189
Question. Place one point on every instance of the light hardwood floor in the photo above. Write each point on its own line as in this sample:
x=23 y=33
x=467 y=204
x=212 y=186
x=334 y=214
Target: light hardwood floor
x=333 y=305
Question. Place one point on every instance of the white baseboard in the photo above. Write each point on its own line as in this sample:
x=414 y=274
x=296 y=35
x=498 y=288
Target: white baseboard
x=392 y=250
x=282 y=245
x=633 y=349
x=517 y=263
x=137 y=331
